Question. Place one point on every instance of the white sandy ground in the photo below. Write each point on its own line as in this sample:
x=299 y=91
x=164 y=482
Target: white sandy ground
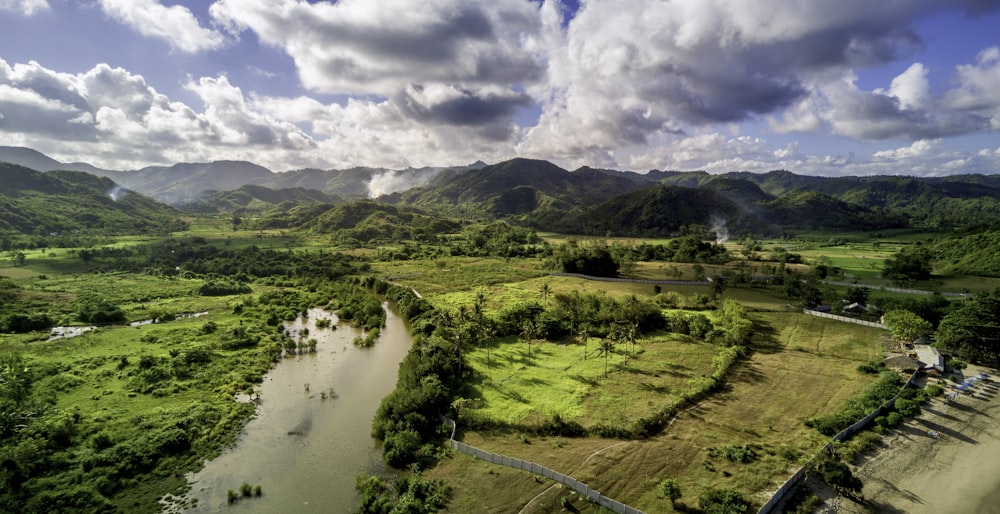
x=956 y=473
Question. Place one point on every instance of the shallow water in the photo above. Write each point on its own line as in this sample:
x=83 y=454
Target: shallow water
x=303 y=450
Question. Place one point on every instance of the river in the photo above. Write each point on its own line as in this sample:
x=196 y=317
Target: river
x=311 y=436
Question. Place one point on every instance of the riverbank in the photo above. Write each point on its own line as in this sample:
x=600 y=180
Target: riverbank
x=958 y=470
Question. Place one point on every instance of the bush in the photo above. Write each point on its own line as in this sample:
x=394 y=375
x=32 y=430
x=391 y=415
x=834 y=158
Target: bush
x=223 y=288
x=908 y=408
x=670 y=489
x=723 y=501
x=872 y=368
x=934 y=390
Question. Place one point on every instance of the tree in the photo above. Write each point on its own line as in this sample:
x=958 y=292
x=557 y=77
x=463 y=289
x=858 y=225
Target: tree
x=908 y=265
x=528 y=333
x=85 y=255
x=584 y=336
x=857 y=295
x=837 y=474
x=803 y=290
x=723 y=501
x=670 y=489
x=906 y=326
x=718 y=287
x=607 y=348
x=734 y=323
x=699 y=272
x=19 y=259
x=972 y=329
x=545 y=291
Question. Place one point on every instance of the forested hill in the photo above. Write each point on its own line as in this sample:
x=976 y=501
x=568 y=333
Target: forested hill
x=521 y=186
x=931 y=202
x=64 y=202
x=546 y=196
x=256 y=199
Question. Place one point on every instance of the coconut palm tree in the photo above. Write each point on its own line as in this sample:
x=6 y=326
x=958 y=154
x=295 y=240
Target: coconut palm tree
x=607 y=348
x=529 y=332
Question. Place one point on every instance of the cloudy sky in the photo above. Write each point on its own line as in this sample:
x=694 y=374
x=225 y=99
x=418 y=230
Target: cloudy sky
x=847 y=87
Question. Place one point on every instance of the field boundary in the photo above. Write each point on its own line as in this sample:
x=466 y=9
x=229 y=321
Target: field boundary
x=892 y=289
x=789 y=486
x=538 y=469
x=634 y=280
x=843 y=318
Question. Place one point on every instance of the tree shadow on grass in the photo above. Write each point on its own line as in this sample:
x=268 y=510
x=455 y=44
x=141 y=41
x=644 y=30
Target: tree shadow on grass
x=658 y=389
x=585 y=380
x=746 y=372
x=765 y=338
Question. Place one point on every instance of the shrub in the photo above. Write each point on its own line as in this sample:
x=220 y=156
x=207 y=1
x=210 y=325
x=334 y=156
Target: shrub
x=872 y=368
x=223 y=288
x=934 y=390
x=723 y=501
x=908 y=408
x=670 y=489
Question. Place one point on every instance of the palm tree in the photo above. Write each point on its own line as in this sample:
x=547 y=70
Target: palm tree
x=607 y=348
x=584 y=336
x=545 y=291
x=529 y=332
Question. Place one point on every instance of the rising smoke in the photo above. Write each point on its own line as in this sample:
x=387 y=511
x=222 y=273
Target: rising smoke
x=117 y=192
x=393 y=181
x=719 y=227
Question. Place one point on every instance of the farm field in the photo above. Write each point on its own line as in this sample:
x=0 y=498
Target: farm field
x=803 y=366
x=798 y=367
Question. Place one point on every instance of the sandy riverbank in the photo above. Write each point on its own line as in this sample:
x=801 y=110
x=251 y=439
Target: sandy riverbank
x=957 y=472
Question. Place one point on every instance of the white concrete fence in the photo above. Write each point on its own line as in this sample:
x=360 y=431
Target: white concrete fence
x=788 y=488
x=843 y=318
x=538 y=469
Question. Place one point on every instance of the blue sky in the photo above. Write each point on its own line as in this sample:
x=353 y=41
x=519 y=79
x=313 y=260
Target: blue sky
x=852 y=87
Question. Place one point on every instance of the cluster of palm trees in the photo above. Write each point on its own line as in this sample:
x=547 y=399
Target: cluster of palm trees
x=468 y=326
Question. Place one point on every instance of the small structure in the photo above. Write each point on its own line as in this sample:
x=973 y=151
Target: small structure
x=901 y=363
x=929 y=356
x=856 y=308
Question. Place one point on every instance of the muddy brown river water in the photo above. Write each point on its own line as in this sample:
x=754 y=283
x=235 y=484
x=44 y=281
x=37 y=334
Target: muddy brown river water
x=311 y=436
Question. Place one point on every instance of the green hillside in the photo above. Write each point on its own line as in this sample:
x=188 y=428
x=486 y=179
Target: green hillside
x=252 y=198
x=367 y=220
x=35 y=203
x=655 y=212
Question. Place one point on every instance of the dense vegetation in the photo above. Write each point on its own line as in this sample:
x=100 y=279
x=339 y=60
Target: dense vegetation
x=492 y=326
x=48 y=204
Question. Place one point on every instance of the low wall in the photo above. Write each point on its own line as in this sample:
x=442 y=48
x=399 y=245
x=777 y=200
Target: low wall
x=634 y=280
x=789 y=486
x=538 y=469
x=843 y=318
x=891 y=289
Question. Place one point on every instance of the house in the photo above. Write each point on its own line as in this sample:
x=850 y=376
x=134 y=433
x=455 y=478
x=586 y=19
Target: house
x=929 y=357
x=901 y=363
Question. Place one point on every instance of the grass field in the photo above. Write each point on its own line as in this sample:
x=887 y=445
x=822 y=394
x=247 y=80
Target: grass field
x=558 y=380
x=803 y=366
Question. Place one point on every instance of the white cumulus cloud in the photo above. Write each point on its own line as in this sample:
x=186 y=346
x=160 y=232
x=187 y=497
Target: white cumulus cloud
x=26 y=7
x=175 y=24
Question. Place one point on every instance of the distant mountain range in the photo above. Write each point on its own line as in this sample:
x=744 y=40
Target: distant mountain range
x=185 y=183
x=544 y=196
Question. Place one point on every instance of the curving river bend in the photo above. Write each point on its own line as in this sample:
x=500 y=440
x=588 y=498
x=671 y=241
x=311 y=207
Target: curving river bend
x=303 y=450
